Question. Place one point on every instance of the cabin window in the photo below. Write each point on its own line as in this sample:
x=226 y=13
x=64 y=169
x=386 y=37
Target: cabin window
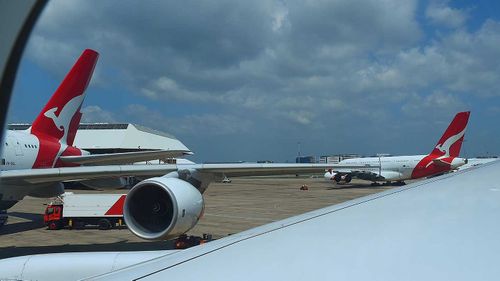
x=25 y=146
x=3 y=161
x=6 y=144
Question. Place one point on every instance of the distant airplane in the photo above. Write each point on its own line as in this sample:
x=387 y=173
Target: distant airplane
x=443 y=158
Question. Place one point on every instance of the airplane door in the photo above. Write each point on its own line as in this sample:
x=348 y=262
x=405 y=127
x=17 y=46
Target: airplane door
x=17 y=146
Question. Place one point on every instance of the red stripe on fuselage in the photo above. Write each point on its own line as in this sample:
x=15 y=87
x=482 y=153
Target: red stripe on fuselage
x=426 y=166
x=47 y=153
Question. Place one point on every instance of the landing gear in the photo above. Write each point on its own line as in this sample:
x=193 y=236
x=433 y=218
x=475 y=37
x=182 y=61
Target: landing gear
x=337 y=178
x=347 y=178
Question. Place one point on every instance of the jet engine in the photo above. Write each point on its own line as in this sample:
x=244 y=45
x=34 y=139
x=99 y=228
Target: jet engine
x=337 y=177
x=162 y=208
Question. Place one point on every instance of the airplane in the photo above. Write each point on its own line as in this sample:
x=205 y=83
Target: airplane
x=443 y=158
x=47 y=144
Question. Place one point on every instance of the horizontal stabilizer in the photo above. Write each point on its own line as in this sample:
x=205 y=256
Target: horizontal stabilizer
x=440 y=162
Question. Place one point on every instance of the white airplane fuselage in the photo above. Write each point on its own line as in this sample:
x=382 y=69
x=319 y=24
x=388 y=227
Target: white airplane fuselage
x=19 y=150
x=394 y=168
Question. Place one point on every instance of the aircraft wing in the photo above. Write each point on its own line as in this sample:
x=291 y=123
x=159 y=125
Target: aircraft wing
x=360 y=169
x=444 y=228
x=262 y=169
x=49 y=175
x=366 y=172
x=124 y=158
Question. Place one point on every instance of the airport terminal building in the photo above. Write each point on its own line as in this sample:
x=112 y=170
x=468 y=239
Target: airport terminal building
x=118 y=137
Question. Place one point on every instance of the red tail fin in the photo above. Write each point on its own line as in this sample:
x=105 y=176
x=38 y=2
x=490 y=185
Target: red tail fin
x=61 y=115
x=451 y=141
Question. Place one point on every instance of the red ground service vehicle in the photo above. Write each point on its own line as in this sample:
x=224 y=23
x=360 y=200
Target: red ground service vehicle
x=79 y=210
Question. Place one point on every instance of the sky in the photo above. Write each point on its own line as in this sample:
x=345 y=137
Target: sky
x=257 y=80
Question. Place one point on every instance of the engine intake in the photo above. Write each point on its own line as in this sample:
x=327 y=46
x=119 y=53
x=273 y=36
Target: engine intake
x=162 y=208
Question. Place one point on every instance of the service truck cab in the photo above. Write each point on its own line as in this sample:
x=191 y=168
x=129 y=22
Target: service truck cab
x=79 y=210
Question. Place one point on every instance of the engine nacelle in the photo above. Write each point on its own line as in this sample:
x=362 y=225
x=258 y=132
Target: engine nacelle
x=391 y=175
x=162 y=208
x=337 y=177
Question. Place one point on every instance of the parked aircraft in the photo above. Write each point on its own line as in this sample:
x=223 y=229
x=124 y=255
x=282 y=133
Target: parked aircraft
x=48 y=143
x=443 y=158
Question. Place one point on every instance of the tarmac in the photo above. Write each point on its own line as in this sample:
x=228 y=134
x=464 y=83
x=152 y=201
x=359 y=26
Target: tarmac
x=229 y=208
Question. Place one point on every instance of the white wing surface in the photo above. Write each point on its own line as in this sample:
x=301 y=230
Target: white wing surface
x=124 y=158
x=444 y=228
x=49 y=175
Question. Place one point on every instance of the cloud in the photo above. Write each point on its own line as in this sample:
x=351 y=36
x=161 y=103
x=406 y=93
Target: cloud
x=439 y=13
x=95 y=114
x=283 y=69
x=436 y=103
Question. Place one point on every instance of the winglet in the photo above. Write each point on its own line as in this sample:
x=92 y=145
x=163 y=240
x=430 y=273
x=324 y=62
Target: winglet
x=61 y=115
x=451 y=141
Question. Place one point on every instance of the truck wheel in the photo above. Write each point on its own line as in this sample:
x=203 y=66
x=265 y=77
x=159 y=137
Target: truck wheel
x=53 y=225
x=78 y=224
x=104 y=224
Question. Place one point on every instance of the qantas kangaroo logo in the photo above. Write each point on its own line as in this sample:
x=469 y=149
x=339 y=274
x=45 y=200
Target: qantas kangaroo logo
x=63 y=120
x=445 y=146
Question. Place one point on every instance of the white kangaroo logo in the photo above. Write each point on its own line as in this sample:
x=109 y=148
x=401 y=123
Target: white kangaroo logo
x=62 y=121
x=68 y=111
x=445 y=146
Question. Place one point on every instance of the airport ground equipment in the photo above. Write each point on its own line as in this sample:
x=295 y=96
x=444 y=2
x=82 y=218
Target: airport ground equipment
x=184 y=241
x=79 y=210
